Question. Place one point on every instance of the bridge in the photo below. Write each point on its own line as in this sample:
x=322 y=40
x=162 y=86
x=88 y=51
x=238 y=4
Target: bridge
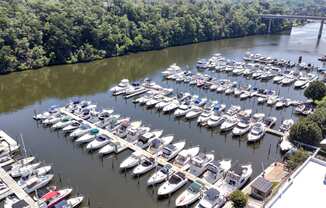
x=302 y=17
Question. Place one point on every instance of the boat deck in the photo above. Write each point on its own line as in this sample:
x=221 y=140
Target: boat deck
x=138 y=149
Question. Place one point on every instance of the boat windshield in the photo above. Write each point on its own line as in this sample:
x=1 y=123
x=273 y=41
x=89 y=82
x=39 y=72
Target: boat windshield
x=180 y=159
x=195 y=187
x=147 y=163
x=175 y=179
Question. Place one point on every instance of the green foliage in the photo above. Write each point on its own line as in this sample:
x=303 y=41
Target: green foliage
x=36 y=33
x=296 y=159
x=319 y=117
x=316 y=90
x=306 y=131
x=239 y=199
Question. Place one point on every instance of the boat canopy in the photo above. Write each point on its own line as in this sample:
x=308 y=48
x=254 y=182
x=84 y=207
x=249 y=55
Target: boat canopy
x=50 y=195
x=94 y=131
x=212 y=194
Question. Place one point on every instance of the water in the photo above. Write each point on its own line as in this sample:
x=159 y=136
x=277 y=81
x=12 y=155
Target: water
x=100 y=180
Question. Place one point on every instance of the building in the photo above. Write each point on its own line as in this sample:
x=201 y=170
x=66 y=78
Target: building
x=261 y=188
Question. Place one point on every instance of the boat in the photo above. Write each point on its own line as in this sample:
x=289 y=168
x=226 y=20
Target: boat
x=261 y=100
x=145 y=165
x=88 y=137
x=131 y=161
x=322 y=58
x=158 y=144
x=175 y=182
x=6 y=160
x=199 y=163
x=21 y=162
x=113 y=146
x=242 y=127
x=235 y=179
x=195 y=112
x=24 y=169
x=257 y=132
x=229 y=123
x=272 y=100
x=133 y=134
x=183 y=158
x=53 y=119
x=145 y=139
x=71 y=127
x=190 y=195
x=288 y=80
x=42 y=116
x=212 y=198
x=65 y=121
x=161 y=175
x=182 y=110
x=171 y=106
x=286 y=125
x=164 y=102
x=171 y=150
x=99 y=141
x=42 y=170
x=83 y=129
x=245 y=95
x=173 y=69
x=50 y=199
x=34 y=182
x=216 y=170
x=269 y=121
x=70 y=203
x=124 y=83
x=215 y=120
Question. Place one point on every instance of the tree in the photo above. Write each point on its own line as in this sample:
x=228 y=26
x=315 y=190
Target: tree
x=306 y=131
x=319 y=117
x=239 y=199
x=296 y=159
x=316 y=90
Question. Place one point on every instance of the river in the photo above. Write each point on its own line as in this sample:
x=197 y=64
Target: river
x=100 y=179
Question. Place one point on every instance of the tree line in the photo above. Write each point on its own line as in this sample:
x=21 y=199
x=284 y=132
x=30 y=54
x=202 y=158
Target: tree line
x=37 y=33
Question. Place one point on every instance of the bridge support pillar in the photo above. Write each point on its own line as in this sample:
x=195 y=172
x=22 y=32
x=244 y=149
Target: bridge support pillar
x=321 y=29
x=269 y=26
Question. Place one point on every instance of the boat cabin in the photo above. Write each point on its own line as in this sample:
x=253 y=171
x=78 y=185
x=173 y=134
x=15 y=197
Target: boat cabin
x=261 y=188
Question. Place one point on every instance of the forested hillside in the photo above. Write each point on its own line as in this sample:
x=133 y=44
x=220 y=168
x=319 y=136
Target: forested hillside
x=36 y=33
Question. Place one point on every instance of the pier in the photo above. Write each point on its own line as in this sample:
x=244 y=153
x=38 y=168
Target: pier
x=142 y=151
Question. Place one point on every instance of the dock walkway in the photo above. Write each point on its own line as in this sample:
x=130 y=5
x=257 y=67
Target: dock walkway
x=133 y=147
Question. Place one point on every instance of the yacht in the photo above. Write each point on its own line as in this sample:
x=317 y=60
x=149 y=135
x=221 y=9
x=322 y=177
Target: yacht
x=145 y=139
x=17 y=172
x=215 y=120
x=22 y=162
x=170 y=151
x=216 y=170
x=272 y=100
x=124 y=83
x=182 y=110
x=33 y=183
x=133 y=134
x=242 y=127
x=175 y=182
x=257 y=132
x=145 y=165
x=156 y=145
x=183 y=158
x=190 y=195
x=212 y=198
x=199 y=163
x=161 y=175
x=173 y=69
x=42 y=116
x=131 y=161
x=229 y=123
x=100 y=141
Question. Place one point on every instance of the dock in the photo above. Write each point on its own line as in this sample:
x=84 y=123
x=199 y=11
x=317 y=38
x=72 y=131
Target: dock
x=139 y=92
x=275 y=132
x=133 y=147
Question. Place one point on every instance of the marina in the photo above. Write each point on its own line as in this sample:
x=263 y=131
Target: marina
x=102 y=180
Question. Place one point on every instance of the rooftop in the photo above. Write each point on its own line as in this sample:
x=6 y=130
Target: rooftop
x=306 y=187
x=262 y=185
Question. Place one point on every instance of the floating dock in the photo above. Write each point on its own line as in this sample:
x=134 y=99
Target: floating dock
x=142 y=91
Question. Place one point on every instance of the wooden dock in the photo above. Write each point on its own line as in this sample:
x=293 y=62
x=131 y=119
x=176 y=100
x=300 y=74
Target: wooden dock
x=133 y=147
x=275 y=132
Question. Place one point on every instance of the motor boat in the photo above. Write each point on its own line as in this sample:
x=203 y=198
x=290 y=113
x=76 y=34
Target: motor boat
x=161 y=175
x=99 y=141
x=269 y=121
x=272 y=100
x=215 y=120
x=171 y=106
x=199 y=163
x=24 y=169
x=6 y=160
x=216 y=170
x=133 y=134
x=212 y=198
x=262 y=100
x=41 y=171
x=158 y=144
x=82 y=130
x=195 y=112
x=235 y=179
x=88 y=137
x=257 y=132
x=234 y=109
x=242 y=127
x=164 y=102
x=113 y=146
x=65 y=121
x=50 y=199
x=145 y=165
x=145 y=139
x=183 y=158
x=70 y=203
x=53 y=119
x=34 y=182
x=22 y=162
x=288 y=80
x=229 y=123
x=71 y=127
x=171 y=150
x=245 y=95
x=42 y=116
x=131 y=161
x=173 y=69
x=190 y=195
x=175 y=182
x=286 y=125
x=182 y=110
x=124 y=83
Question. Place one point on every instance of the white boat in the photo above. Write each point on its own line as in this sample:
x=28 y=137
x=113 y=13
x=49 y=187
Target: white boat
x=113 y=146
x=42 y=116
x=262 y=100
x=173 y=69
x=285 y=144
x=272 y=100
x=131 y=161
x=166 y=101
x=24 y=169
x=216 y=170
x=286 y=125
x=159 y=143
x=170 y=151
x=52 y=119
x=51 y=198
x=6 y=160
x=88 y=137
x=100 y=141
x=215 y=120
x=301 y=82
x=133 y=134
x=175 y=182
x=145 y=165
x=245 y=95
x=190 y=195
x=235 y=179
x=257 y=132
x=42 y=170
x=288 y=80
x=65 y=121
x=22 y=162
x=161 y=175
x=242 y=127
x=199 y=163
x=212 y=198
x=205 y=116
x=229 y=123
x=71 y=127
x=195 y=112
x=34 y=182
x=183 y=159
x=83 y=129
x=124 y=83
x=182 y=110
x=278 y=78
x=145 y=139
x=171 y=106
